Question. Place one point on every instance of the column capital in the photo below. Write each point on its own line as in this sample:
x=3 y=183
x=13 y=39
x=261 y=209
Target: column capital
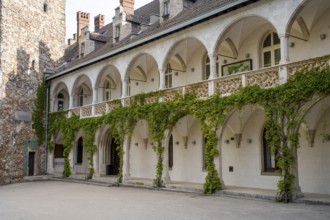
x=281 y=35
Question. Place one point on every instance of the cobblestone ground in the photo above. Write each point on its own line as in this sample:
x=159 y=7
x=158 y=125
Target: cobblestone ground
x=50 y=200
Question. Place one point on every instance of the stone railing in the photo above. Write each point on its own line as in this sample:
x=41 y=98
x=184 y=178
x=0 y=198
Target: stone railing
x=265 y=78
x=308 y=64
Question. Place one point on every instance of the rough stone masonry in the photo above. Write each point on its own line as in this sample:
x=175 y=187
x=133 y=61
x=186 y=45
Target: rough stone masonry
x=32 y=38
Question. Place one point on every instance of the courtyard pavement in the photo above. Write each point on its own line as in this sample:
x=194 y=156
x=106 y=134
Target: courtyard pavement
x=48 y=200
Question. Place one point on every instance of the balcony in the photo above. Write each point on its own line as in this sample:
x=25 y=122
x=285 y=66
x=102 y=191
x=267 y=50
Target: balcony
x=265 y=78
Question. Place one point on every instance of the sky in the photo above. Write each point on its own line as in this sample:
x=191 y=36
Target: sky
x=94 y=7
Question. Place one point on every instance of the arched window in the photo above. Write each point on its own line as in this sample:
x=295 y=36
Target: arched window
x=269 y=159
x=81 y=97
x=170 y=153
x=207 y=68
x=271 y=50
x=80 y=151
x=60 y=102
x=107 y=91
x=168 y=76
x=129 y=87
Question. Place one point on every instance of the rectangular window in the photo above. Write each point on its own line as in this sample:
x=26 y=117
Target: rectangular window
x=267 y=59
x=58 y=151
x=168 y=81
x=167 y=8
x=60 y=105
x=277 y=56
x=117 y=33
x=203 y=153
x=170 y=153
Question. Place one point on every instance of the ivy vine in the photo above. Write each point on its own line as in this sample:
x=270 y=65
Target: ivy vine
x=282 y=105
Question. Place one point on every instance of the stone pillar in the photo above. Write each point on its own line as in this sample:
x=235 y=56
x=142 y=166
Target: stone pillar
x=161 y=79
x=96 y=162
x=95 y=95
x=297 y=193
x=283 y=71
x=124 y=88
x=166 y=171
x=213 y=66
x=71 y=160
x=126 y=158
x=50 y=162
x=71 y=102
x=284 y=38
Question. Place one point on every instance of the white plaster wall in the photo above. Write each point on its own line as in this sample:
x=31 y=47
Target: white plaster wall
x=187 y=162
x=142 y=161
x=271 y=10
x=314 y=47
x=314 y=163
x=246 y=160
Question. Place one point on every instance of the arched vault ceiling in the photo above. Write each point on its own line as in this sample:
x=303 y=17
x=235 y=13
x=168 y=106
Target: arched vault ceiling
x=188 y=48
x=145 y=62
x=313 y=11
x=239 y=31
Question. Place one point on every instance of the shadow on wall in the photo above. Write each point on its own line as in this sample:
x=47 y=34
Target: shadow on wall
x=16 y=112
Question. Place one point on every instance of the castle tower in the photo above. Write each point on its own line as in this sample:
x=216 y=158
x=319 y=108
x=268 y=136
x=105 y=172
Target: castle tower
x=32 y=40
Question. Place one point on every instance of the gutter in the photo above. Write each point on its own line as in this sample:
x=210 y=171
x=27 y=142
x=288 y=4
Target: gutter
x=48 y=84
x=209 y=15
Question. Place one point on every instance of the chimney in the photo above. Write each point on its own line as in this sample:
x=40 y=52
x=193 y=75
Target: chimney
x=98 y=22
x=128 y=6
x=82 y=21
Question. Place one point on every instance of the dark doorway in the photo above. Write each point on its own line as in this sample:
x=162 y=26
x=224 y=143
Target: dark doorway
x=80 y=151
x=113 y=168
x=31 y=163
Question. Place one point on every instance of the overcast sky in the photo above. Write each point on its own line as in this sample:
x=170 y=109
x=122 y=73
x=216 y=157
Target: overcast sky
x=94 y=7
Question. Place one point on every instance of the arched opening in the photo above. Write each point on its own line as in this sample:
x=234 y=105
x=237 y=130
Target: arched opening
x=142 y=75
x=243 y=46
x=187 y=149
x=83 y=91
x=314 y=151
x=242 y=146
x=308 y=29
x=184 y=63
x=112 y=158
x=108 y=84
x=60 y=97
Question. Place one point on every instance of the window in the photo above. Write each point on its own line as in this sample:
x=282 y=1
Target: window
x=170 y=153
x=107 y=91
x=81 y=98
x=58 y=151
x=168 y=76
x=129 y=87
x=203 y=153
x=80 y=151
x=117 y=33
x=207 y=68
x=269 y=159
x=45 y=7
x=271 y=51
x=167 y=8
x=60 y=102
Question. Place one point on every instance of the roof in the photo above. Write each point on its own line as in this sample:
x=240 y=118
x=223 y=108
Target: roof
x=198 y=9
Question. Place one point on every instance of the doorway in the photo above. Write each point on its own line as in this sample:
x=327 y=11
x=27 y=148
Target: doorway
x=31 y=163
x=113 y=167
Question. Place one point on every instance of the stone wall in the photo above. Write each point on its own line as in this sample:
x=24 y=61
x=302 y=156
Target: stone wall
x=32 y=38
